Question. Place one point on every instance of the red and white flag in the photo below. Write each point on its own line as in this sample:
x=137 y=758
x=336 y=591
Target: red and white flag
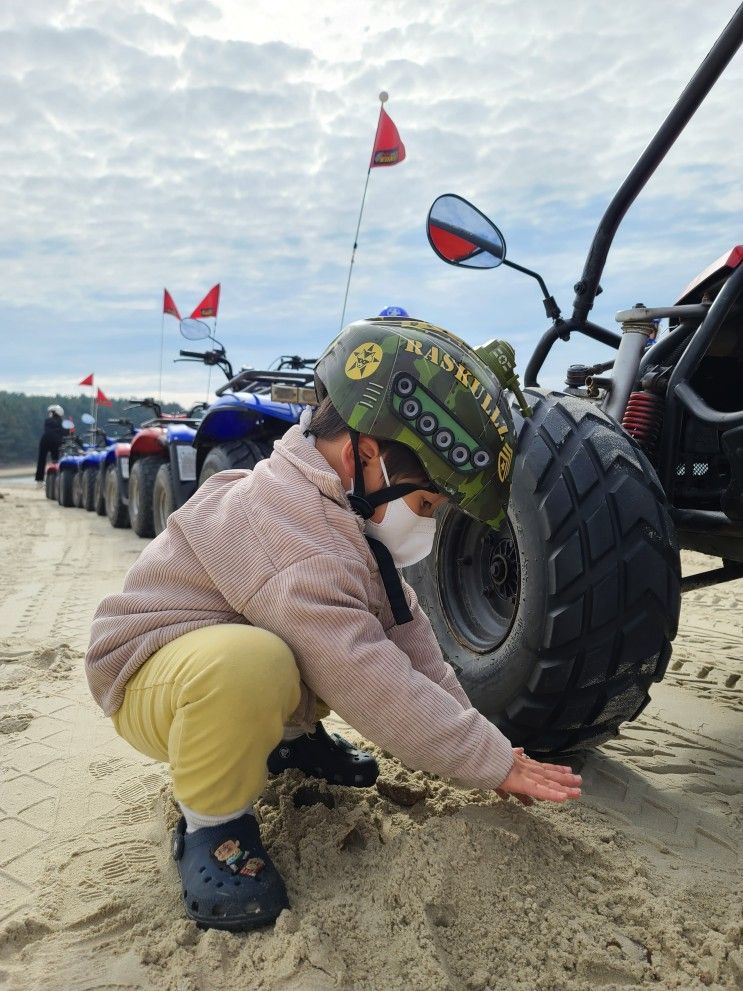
x=208 y=306
x=88 y=380
x=169 y=305
x=102 y=399
x=388 y=148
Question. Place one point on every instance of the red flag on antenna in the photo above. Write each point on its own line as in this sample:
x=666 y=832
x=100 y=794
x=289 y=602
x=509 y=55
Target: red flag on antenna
x=88 y=380
x=102 y=399
x=208 y=306
x=169 y=305
x=388 y=148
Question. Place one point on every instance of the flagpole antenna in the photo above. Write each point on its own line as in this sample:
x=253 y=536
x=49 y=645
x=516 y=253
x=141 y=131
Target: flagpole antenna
x=383 y=97
x=162 y=353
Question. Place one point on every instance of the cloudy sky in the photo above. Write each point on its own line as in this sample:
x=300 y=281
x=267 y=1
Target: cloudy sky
x=152 y=143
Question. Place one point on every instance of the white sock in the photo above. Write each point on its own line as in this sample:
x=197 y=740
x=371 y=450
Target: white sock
x=195 y=820
x=292 y=733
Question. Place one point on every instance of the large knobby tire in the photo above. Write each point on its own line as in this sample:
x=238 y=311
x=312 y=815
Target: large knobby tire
x=236 y=454
x=116 y=510
x=49 y=484
x=558 y=623
x=141 y=486
x=65 y=487
x=88 y=487
x=99 y=493
x=163 y=500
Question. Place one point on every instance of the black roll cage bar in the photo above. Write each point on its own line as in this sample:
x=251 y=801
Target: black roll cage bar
x=587 y=287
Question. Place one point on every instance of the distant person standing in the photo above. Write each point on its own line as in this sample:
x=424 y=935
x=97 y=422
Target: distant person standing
x=50 y=439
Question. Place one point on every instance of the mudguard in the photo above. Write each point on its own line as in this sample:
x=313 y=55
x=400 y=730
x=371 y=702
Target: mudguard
x=148 y=441
x=121 y=460
x=238 y=415
x=180 y=441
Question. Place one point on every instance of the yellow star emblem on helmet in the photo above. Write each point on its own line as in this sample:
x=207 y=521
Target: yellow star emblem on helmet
x=364 y=361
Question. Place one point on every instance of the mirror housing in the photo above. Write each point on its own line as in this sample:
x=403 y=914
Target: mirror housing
x=87 y=418
x=463 y=236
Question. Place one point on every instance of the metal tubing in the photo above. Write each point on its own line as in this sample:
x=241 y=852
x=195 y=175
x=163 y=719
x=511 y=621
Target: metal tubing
x=562 y=329
x=694 y=93
x=658 y=312
x=706 y=521
x=687 y=365
x=714 y=577
x=625 y=370
x=702 y=411
x=663 y=348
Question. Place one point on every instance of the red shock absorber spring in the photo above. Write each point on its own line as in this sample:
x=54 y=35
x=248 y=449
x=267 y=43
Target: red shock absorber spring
x=643 y=420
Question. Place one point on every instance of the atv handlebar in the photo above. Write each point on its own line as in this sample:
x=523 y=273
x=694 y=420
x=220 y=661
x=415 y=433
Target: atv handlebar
x=209 y=358
x=148 y=404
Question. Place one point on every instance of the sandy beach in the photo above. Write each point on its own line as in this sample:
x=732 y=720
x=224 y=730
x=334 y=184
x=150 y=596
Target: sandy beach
x=637 y=885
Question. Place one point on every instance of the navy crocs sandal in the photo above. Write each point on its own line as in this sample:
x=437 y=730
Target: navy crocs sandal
x=321 y=755
x=227 y=877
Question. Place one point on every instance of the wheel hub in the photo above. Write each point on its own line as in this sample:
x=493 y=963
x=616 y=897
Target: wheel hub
x=479 y=579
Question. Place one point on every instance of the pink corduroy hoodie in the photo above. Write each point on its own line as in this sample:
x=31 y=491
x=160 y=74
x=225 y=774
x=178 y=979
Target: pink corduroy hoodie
x=279 y=547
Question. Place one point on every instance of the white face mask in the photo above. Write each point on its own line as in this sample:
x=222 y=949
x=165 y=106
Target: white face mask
x=407 y=536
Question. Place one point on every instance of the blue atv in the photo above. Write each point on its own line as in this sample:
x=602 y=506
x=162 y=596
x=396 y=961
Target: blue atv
x=252 y=409
x=71 y=453
x=87 y=488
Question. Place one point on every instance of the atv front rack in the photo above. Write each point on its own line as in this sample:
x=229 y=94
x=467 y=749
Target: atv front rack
x=254 y=380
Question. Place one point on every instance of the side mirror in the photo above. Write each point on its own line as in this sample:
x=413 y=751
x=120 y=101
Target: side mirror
x=68 y=424
x=88 y=419
x=461 y=235
x=195 y=330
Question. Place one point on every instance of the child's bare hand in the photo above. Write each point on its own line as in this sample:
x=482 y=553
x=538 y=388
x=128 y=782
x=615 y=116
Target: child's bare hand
x=530 y=779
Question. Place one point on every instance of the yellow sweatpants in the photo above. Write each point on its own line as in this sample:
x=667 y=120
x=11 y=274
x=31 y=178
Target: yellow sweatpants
x=213 y=704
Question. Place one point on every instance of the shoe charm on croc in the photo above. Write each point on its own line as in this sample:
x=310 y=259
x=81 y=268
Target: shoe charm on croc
x=228 y=879
x=330 y=757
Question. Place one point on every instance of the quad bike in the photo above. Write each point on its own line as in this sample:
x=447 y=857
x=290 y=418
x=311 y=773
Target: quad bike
x=66 y=472
x=86 y=486
x=72 y=479
x=559 y=622
x=110 y=493
x=252 y=409
x=163 y=441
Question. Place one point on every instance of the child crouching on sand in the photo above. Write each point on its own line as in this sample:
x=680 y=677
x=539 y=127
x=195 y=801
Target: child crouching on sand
x=275 y=588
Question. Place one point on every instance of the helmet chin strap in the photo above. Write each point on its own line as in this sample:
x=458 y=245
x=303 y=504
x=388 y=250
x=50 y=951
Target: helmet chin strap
x=366 y=505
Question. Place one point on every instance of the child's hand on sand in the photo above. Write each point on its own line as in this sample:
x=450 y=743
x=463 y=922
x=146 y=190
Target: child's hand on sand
x=529 y=779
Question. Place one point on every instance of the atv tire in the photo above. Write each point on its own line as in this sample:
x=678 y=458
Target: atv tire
x=116 y=510
x=99 y=491
x=49 y=485
x=236 y=454
x=88 y=488
x=77 y=490
x=163 y=500
x=558 y=623
x=65 y=488
x=141 y=487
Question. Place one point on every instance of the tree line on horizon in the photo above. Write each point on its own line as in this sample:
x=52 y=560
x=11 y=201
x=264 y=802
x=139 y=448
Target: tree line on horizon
x=22 y=421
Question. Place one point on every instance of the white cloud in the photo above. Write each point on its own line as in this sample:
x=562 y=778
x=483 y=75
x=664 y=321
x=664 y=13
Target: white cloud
x=151 y=143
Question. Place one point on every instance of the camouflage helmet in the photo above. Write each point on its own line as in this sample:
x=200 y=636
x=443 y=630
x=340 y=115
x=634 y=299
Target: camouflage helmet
x=414 y=383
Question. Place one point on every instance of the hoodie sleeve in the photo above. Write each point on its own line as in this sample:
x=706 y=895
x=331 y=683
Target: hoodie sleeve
x=319 y=607
x=419 y=642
